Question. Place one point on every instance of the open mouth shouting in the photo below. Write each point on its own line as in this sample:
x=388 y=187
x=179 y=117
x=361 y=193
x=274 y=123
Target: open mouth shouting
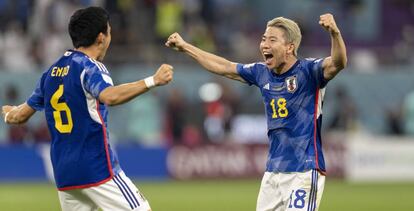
x=268 y=58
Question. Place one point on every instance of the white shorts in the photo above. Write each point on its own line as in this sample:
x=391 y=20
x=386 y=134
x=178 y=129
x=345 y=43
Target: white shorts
x=291 y=191
x=119 y=193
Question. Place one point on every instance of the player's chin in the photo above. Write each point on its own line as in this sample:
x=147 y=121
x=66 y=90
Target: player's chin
x=270 y=64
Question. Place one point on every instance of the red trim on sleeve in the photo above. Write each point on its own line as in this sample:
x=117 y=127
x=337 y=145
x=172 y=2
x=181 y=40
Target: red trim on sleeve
x=315 y=123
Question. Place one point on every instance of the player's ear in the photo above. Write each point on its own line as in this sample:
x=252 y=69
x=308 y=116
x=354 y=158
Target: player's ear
x=100 y=39
x=291 y=48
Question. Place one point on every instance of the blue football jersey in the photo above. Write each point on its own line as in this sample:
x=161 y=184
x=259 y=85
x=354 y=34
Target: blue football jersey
x=68 y=93
x=293 y=105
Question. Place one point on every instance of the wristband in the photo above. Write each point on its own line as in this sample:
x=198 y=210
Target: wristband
x=149 y=82
x=5 y=117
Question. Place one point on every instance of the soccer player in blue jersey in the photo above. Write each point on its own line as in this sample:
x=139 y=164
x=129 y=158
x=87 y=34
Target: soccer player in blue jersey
x=292 y=90
x=75 y=93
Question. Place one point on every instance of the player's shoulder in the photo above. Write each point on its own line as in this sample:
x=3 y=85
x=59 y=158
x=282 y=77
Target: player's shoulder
x=97 y=65
x=86 y=62
x=310 y=62
x=256 y=66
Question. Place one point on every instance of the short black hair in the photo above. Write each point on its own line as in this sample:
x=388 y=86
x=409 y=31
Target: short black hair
x=86 y=24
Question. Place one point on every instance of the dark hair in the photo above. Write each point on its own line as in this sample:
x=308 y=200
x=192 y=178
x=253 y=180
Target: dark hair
x=86 y=24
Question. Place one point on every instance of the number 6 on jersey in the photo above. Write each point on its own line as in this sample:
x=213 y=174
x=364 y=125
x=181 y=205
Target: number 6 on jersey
x=57 y=115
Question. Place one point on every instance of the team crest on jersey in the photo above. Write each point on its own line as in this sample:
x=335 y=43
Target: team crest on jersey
x=291 y=84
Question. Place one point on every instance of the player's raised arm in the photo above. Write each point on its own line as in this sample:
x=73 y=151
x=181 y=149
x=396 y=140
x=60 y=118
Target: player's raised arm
x=209 y=61
x=123 y=93
x=17 y=114
x=337 y=61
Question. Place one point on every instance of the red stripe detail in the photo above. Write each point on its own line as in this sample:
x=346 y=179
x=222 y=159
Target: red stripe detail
x=87 y=185
x=315 y=123
x=108 y=159
x=111 y=173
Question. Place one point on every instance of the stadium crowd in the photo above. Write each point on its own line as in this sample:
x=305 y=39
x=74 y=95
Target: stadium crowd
x=34 y=33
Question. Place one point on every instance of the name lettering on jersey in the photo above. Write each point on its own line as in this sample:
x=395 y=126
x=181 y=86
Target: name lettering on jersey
x=291 y=84
x=60 y=71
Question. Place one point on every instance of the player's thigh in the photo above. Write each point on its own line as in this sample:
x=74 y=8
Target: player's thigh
x=270 y=197
x=75 y=200
x=118 y=194
x=304 y=191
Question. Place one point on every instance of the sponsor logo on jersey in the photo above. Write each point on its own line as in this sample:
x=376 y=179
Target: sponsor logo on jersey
x=291 y=84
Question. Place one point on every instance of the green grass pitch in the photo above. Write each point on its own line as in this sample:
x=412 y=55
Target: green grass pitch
x=221 y=195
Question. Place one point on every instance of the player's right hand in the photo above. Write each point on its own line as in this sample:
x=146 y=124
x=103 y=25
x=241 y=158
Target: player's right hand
x=5 y=109
x=163 y=75
x=176 y=42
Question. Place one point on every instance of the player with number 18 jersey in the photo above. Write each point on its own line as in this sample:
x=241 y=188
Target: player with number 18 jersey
x=293 y=104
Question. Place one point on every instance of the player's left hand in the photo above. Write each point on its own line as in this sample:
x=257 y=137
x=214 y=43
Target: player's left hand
x=327 y=21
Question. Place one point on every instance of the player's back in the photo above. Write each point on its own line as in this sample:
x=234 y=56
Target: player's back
x=80 y=151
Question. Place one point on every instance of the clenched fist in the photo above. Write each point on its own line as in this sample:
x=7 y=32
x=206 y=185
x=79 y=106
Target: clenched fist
x=5 y=109
x=163 y=75
x=176 y=42
x=327 y=21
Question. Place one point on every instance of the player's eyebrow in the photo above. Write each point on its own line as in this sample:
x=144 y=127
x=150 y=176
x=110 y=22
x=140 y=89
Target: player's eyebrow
x=270 y=37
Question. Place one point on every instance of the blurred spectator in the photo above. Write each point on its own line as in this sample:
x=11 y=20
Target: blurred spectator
x=17 y=134
x=408 y=112
x=219 y=107
x=393 y=119
x=169 y=18
x=15 y=49
x=176 y=111
x=41 y=133
x=146 y=107
x=345 y=113
x=191 y=136
x=200 y=35
x=364 y=60
x=53 y=45
x=404 y=48
x=139 y=26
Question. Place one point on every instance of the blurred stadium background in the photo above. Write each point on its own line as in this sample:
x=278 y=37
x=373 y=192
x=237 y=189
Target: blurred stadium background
x=200 y=142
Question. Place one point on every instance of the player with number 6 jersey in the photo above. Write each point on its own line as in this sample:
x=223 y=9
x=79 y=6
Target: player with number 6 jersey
x=75 y=93
x=292 y=91
x=68 y=93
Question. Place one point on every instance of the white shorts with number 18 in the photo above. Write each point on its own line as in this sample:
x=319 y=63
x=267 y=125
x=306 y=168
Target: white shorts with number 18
x=296 y=191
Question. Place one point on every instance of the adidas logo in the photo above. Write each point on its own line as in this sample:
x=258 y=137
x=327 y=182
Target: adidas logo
x=267 y=86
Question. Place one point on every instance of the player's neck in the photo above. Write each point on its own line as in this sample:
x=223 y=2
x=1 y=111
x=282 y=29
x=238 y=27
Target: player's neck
x=284 y=67
x=91 y=51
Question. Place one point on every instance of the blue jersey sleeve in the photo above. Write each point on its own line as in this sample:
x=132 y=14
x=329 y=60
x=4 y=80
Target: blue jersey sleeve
x=96 y=79
x=36 y=100
x=248 y=72
x=316 y=71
